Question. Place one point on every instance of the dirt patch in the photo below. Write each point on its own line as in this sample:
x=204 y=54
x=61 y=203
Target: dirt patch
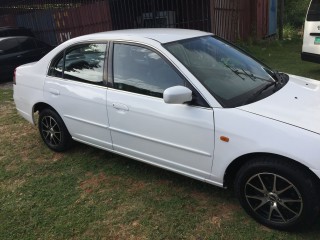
x=113 y=227
x=137 y=186
x=12 y=185
x=93 y=182
x=201 y=197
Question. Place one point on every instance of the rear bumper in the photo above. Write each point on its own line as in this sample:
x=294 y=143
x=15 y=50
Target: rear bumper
x=310 y=57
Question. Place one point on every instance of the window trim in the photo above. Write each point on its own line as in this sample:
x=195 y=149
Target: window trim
x=110 y=80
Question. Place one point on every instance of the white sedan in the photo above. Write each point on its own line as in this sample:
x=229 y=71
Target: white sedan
x=189 y=102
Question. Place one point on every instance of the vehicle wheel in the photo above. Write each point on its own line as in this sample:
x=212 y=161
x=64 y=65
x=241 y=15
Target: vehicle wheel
x=277 y=193
x=53 y=131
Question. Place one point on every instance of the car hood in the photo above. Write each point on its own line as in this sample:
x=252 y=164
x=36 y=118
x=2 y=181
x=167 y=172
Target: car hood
x=297 y=103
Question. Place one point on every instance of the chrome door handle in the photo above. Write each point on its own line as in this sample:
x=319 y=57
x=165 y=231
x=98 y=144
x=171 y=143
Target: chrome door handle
x=120 y=106
x=54 y=91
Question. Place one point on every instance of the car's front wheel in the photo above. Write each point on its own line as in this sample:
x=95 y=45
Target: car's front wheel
x=277 y=193
x=53 y=131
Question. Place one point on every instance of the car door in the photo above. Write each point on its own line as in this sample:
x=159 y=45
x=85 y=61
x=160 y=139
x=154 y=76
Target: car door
x=75 y=88
x=179 y=137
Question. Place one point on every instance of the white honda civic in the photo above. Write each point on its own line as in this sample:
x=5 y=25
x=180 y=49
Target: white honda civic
x=190 y=102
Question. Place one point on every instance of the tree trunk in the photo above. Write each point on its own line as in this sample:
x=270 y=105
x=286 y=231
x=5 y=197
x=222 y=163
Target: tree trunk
x=281 y=17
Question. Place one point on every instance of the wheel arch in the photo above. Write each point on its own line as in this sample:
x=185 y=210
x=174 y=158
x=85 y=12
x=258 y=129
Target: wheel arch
x=38 y=107
x=236 y=164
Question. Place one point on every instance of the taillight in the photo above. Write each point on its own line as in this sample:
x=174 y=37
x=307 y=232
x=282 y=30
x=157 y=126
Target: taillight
x=14 y=77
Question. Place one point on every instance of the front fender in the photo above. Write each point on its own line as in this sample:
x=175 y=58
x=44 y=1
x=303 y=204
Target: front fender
x=250 y=133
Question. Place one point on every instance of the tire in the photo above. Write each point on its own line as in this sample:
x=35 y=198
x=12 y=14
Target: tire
x=277 y=193
x=53 y=131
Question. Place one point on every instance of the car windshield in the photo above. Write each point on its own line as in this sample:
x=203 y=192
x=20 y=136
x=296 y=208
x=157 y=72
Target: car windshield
x=229 y=74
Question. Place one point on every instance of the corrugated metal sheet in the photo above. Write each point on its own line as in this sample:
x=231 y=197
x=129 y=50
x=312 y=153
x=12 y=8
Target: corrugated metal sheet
x=41 y=23
x=7 y=20
x=273 y=15
x=240 y=19
x=231 y=19
x=82 y=20
x=262 y=14
x=192 y=14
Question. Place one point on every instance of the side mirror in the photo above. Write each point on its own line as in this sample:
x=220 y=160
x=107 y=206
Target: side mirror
x=177 y=95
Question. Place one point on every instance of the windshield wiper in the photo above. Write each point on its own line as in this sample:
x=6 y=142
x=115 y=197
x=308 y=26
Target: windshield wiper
x=244 y=72
x=281 y=77
x=260 y=91
x=234 y=70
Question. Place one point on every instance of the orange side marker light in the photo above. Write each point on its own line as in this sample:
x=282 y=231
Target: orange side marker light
x=224 y=139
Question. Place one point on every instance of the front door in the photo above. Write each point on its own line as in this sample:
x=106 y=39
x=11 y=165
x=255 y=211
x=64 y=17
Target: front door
x=179 y=137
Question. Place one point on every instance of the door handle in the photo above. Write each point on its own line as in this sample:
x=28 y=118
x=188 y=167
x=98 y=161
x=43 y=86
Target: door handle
x=120 y=106
x=54 y=91
x=19 y=56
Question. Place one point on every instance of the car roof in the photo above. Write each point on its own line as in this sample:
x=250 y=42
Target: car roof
x=161 y=35
x=11 y=27
x=14 y=37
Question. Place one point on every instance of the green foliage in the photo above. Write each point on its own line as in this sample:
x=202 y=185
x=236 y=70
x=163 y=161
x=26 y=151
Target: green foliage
x=290 y=32
x=295 y=12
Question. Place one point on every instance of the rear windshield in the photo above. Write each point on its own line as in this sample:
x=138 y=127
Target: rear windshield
x=314 y=11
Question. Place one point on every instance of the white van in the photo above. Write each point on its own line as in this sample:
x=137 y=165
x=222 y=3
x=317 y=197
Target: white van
x=311 y=37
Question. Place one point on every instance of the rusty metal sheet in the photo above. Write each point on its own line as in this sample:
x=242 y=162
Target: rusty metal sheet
x=239 y=19
x=85 y=19
x=7 y=20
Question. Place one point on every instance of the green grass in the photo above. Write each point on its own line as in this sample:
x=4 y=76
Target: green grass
x=284 y=56
x=87 y=193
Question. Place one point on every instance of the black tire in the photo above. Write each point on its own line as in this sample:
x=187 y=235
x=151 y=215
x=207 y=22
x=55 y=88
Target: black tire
x=53 y=131
x=292 y=204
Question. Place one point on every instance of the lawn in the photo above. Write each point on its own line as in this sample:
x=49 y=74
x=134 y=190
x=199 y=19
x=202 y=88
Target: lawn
x=88 y=193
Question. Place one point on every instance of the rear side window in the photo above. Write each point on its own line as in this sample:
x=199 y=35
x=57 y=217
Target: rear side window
x=314 y=11
x=83 y=63
x=8 y=46
x=27 y=44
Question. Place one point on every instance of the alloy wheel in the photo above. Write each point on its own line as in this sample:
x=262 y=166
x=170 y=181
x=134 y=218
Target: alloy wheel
x=273 y=197
x=51 y=131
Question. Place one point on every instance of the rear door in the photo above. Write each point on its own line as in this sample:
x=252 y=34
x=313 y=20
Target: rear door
x=311 y=38
x=179 y=137
x=75 y=88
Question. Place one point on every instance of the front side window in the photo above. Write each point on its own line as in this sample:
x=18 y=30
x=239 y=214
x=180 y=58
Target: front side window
x=84 y=63
x=314 y=11
x=231 y=76
x=139 y=70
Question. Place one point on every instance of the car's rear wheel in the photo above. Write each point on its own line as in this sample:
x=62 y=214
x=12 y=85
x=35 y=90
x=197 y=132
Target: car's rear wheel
x=53 y=131
x=277 y=193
